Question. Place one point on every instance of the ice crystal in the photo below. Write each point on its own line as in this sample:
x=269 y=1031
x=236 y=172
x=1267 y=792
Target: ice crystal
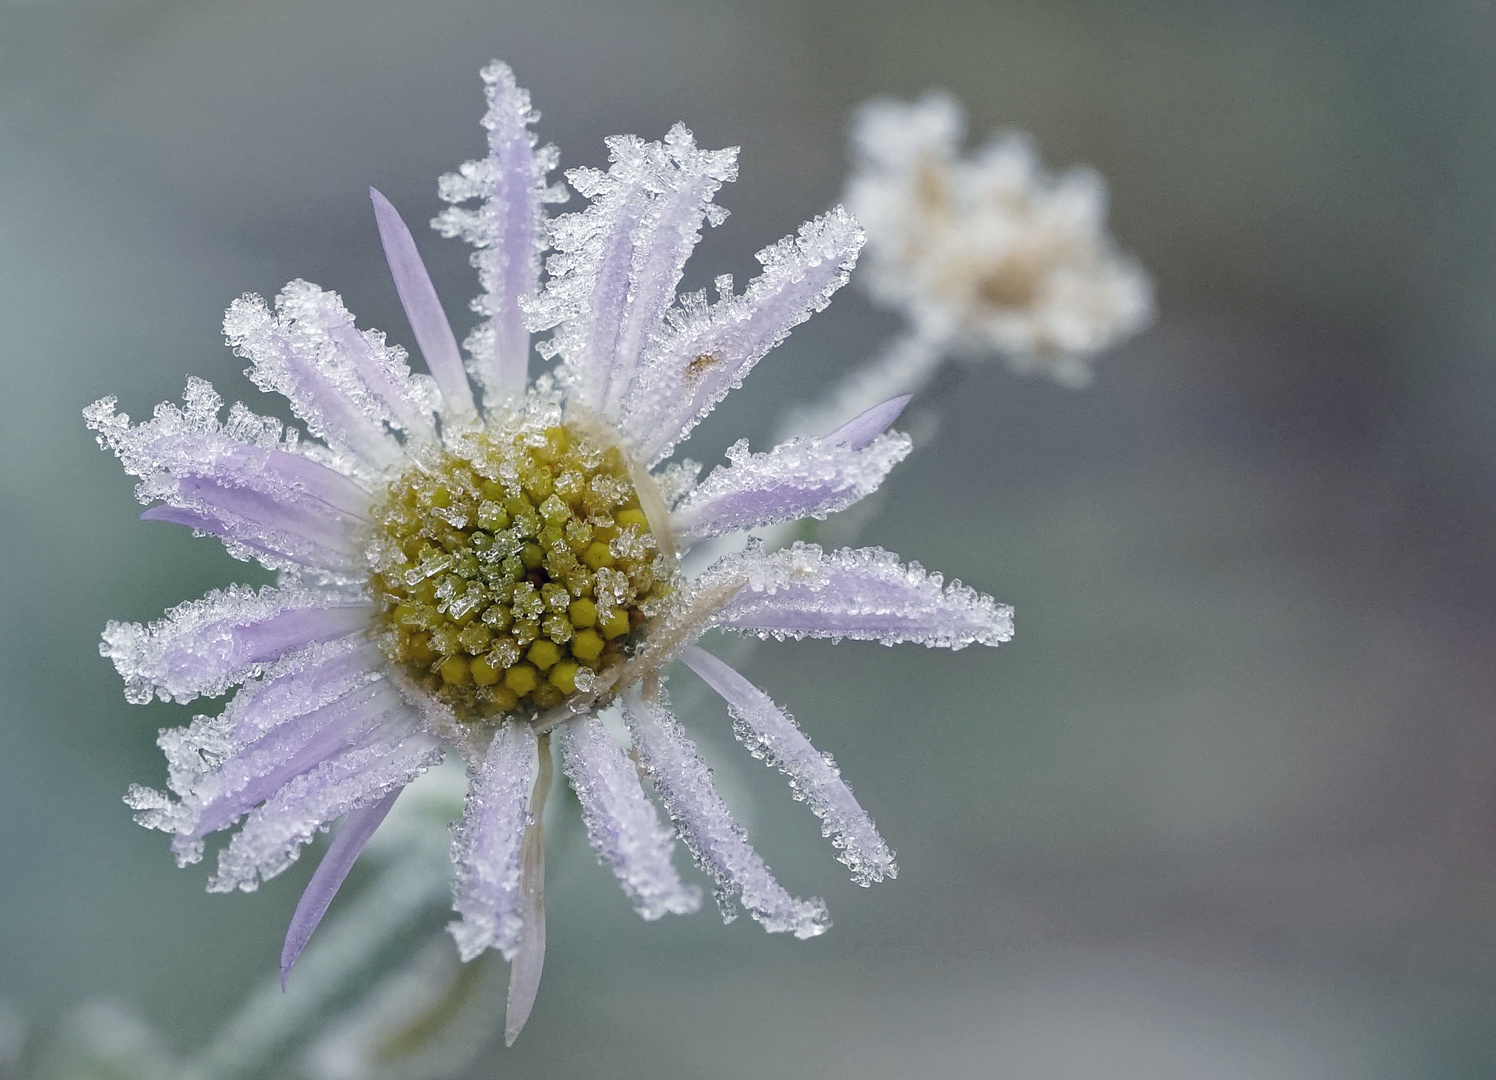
x=476 y=572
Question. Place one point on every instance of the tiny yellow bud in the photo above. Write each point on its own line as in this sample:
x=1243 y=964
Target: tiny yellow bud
x=522 y=678
x=483 y=671
x=564 y=676
x=597 y=555
x=583 y=613
x=455 y=671
x=616 y=624
x=632 y=516
x=587 y=645
x=544 y=654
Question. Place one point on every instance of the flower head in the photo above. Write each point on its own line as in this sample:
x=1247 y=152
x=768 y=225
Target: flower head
x=989 y=251
x=473 y=562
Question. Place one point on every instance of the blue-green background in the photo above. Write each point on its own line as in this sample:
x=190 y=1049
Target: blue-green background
x=1225 y=808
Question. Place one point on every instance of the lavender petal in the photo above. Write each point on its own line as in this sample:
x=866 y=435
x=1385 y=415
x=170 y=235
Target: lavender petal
x=708 y=349
x=619 y=261
x=486 y=845
x=507 y=229
x=622 y=825
x=772 y=734
x=869 y=424
x=864 y=594
x=202 y=647
x=801 y=478
x=529 y=956
x=238 y=479
x=702 y=820
x=272 y=836
x=422 y=307
x=345 y=384
x=305 y=710
x=341 y=854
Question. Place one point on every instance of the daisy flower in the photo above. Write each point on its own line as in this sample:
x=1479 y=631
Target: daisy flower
x=985 y=254
x=473 y=562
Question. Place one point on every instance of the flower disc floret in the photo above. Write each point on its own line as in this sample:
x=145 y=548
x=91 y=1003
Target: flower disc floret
x=515 y=567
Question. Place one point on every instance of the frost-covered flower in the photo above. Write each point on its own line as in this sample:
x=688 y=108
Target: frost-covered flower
x=989 y=252
x=482 y=571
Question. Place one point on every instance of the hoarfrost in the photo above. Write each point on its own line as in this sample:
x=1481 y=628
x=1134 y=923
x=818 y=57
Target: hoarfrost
x=348 y=386
x=798 y=479
x=618 y=262
x=771 y=733
x=507 y=229
x=861 y=593
x=702 y=820
x=706 y=350
x=622 y=825
x=202 y=647
x=265 y=496
x=272 y=836
x=486 y=845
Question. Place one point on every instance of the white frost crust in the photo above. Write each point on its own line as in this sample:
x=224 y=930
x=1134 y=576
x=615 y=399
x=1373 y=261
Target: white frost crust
x=703 y=822
x=618 y=262
x=706 y=349
x=507 y=228
x=272 y=836
x=622 y=825
x=798 y=479
x=263 y=726
x=487 y=843
x=268 y=496
x=772 y=735
x=349 y=387
x=864 y=594
x=200 y=648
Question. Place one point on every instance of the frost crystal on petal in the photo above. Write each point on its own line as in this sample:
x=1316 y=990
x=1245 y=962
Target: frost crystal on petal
x=202 y=647
x=263 y=495
x=860 y=593
x=618 y=262
x=486 y=845
x=306 y=708
x=622 y=825
x=800 y=478
x=707 y=349
x=272 y=836
x=507 y=229
x=347 y=385
x=719 y=844
x=772 y=734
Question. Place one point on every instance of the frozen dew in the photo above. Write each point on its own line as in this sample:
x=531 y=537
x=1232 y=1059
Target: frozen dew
x=702 y=820
x=771 y=733
x=622 y=825
x=864 y=594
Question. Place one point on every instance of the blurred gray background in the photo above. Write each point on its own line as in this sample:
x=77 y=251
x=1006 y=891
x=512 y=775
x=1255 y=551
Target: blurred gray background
x=1225 y=808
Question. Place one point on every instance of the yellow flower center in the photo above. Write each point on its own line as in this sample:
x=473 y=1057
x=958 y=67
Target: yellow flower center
x=514 y=569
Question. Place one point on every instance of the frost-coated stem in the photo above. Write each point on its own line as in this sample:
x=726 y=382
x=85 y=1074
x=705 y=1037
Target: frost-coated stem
x=524 y=970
